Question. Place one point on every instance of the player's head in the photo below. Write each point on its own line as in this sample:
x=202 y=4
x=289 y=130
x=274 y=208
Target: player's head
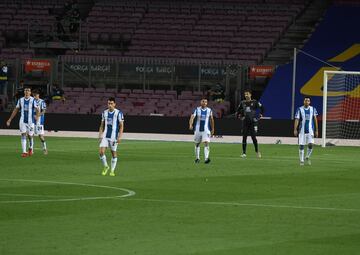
x=204 y=102
x=36 y=94
x=247 y=94
x=27 y=92
x=307 y=101
x=111 y=103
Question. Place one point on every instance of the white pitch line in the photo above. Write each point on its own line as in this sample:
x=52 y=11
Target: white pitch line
x=246 y=204
x=59 y=200
x=129 y=192
x=132 y=193
x=30 y=195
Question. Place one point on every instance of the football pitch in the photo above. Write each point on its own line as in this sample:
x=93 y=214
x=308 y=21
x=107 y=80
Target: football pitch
x=160 y=202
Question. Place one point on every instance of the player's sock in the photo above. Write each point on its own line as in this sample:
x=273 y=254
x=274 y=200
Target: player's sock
x=113 y=164
x=31 y=142
x=206 y=151
x=23 y=144
x=255 y=142
x=301 y=153
x=244 y=144
x=244 y=148
x=43 y=142
x=44 y=145
x=309 y=151
x=103 y=160
x=197 y=151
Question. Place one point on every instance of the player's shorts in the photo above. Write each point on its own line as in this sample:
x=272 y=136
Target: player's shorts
x=106 y=142
x=250 y=128
x=26 y=128
x=202 y=136
x=305 y=139
x=39 y=130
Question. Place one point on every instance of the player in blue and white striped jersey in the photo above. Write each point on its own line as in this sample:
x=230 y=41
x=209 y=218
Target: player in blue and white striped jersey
x=110 y=133
x=39 y=125
x=305 y=126
x=204 y=129
x=26 y=106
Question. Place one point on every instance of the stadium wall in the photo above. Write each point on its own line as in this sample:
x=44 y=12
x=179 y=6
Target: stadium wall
x=336 y=41
x=154 y=124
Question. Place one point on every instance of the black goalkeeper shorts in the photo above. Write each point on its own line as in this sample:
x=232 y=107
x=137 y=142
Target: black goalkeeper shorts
x=250 y=128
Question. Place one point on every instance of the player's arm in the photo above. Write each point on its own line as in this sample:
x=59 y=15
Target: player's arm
x=239 y=111
x=38 y=114
x=121 y=131
x=101 y=129
x=212 y=123
x=13 y=114
x=316 y=127
x=121 y=127
x=191 y=121
x=262 y=109
x=296 y=124
x=102 y=125
x=43 y=108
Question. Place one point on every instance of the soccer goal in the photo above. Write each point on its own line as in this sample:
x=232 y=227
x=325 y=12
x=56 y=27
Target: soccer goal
x=341 y=108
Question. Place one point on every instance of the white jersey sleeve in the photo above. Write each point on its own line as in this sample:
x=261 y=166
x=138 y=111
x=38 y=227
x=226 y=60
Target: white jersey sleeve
x=297 y=114
x=195 y=112
x=43 y=105
x=103 y=116
x=121 y=117
x=315 y=113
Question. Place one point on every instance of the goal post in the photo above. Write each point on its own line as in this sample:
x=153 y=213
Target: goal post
x=341 y=108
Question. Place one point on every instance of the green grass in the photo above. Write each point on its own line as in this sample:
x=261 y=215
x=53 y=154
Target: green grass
x=232 y=206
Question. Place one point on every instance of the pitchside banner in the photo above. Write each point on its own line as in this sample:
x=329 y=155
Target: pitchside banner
x=94 y=68
x=37 y=65
x=263 y=71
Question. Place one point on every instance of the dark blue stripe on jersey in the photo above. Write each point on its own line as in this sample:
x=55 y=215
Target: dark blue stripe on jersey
x=109 y=124
x=307 y=120
x=26 y=111
x=33 y=112
x=42 y=119
x=202 y=120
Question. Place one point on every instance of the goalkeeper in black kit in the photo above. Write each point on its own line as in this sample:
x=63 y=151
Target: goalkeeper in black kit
x=250 y=111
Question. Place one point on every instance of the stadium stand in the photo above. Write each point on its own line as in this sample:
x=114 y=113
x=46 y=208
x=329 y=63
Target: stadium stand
x=234 y=30
x=134 y=102
x=185 y=32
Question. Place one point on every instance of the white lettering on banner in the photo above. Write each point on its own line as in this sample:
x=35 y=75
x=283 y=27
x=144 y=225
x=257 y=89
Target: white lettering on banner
x=210 y=71
x=163 y=69
x=262 y=70
x=36 y=63
x=154 y=69
x=93 y=68
x=142 y=69
x=217 y=71
x=266 y=71
x=100 y=68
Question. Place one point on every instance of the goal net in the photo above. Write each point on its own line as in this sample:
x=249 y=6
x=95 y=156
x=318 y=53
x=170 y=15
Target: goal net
x=341 y=108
